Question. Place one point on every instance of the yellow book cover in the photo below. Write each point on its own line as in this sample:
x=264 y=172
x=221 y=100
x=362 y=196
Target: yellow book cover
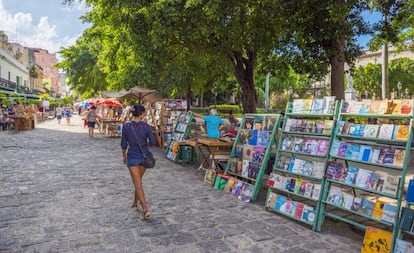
x=378 y=208
x=402 y=132
x=396 y=107
x=399 y=157
x=376 y=241
x=306 y=105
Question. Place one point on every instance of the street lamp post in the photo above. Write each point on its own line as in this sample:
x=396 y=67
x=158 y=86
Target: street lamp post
x=407 y=91
x=290 y=92
x=399 y=87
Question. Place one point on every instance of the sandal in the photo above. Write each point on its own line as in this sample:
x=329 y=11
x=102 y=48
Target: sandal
x=134 y=208
x=146 y=215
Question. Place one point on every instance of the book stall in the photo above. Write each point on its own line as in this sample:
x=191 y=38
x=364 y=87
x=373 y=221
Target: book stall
x=249 y=156
x=348 y=164
x=170 y=110
x=23 y=119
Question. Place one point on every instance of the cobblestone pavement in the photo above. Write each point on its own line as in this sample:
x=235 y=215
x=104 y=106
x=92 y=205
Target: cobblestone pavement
x=63 y=192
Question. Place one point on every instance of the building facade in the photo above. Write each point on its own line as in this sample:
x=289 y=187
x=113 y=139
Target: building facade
x=47 y=62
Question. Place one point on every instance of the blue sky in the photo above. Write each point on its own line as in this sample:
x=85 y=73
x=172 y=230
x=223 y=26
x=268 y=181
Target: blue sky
x=50 y=25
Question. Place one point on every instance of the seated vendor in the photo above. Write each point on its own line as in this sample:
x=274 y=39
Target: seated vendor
x=231 y=131
x=213 y=123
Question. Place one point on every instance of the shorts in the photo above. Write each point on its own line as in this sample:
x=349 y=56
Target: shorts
x=59 y=116
x=91 y=124
x=135 y=162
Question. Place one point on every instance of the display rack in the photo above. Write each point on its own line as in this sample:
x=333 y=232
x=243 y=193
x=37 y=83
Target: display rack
x=181 y=130
x=170 y=111
x=250 y=154
x=296 y=181
x=368 y=160
x=152 y=117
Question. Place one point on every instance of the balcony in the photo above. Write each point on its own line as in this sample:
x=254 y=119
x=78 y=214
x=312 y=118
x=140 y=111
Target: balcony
x=7 y=85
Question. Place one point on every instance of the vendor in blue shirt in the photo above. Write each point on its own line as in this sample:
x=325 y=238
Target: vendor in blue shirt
x=213 y=123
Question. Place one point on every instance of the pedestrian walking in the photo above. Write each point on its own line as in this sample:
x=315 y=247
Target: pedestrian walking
x=91 y=118
x=59 y=113
x=135 y=136
x=68 y=115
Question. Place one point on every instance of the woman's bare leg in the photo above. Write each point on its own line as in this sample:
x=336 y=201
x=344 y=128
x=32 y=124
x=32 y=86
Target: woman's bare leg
x=137 y=172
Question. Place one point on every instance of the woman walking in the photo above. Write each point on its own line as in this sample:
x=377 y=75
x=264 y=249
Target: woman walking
x=91 y=118
x=135 y=133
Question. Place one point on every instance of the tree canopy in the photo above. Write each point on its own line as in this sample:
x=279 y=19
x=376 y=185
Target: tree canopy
x=194 y=45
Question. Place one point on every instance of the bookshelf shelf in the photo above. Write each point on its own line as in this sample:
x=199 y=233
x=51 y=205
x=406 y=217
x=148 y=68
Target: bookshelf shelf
x=367 y=165
x=181 y=130
x=251 y=151
x=301 y=155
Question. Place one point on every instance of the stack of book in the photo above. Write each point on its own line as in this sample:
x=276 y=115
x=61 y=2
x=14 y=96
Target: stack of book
x=378 y=181
x=324 y=105
x=298 y=210
x=372 y=154
x=300 y=166
x=296 y=185
x=309 y=126
x=383 y=131
x=313 y=146
x=374 y=208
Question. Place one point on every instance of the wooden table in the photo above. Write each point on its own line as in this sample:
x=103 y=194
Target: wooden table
x=110 y=128
x=212 y=151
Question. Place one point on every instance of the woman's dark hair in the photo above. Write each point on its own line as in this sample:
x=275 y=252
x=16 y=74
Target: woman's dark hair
x=137 y=110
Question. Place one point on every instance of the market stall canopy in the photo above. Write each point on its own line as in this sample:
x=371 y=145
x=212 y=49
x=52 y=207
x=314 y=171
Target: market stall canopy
x=138 y=93
x=143 y=94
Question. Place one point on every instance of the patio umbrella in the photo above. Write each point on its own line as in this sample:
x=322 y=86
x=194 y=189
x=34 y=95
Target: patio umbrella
x=110 y=102
x=138 y=93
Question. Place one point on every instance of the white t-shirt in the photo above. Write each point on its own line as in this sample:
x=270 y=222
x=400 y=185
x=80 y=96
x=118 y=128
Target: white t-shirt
x=59 y=110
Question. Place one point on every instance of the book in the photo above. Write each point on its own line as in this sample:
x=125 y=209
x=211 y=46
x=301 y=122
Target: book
x=287 y=143
x=231 y=183
x=351 y=175
x=319 y=126
x=245 y=168
x=317 y=106
x=289 y=123
x=283 y=162
x=306 y=105
x=253 y=137
x=366 y=207
x=308 y=214
x=333 y=170
x=271 y=200
x=391 y=183
x=318 y=169
x=253 y=171
x=364 y=153
x=339 y=126
x=263 y=138
x=328 y=126
x=298 y=145
x=347 y=200
x=402 y=246
x=246 y=192
x=356 y=204
x=374 y=155
x=342 y=149
x=297 y=105
x=371 y=131
x=352 y=151
x=299 y=210
x=385 y=131
x=328 y=105
x=406 y=106
x=389 y=212
x=248 y=152
x=363 y=178
x=386 y=156
x=322 y=147
x=308 y=190
x=335 y=196
x=335 y=147
x=237 y=188
x=280 y=181
x=271 y=179
x=346 y=127
x=374 y=107
x=210 y=177
x=399 y=157
x=316 y=191
x=376 y=240
x=258 y=154
x=378 y=209
x=402 y=132
x=280 y=203
x=289 y=207
x=407 y=218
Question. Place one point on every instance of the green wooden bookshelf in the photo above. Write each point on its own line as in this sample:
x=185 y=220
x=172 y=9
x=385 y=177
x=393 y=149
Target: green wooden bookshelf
x=251 y=151
x=181 y=131
x=295 y=184
x=367 y=165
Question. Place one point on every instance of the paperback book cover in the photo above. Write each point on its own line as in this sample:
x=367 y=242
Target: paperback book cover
x=263 y=138
x=352 y=151
x=371 y=131
x=317 y=106
x=391 y=183
x=319 y=126
x=335 y=196
x=378 y=209
x=356 y=204
x=248 y=152
x=376 y=240
x=402 y=132
x=328 y=105
x=316 y=191
x=342 y=149
x=306 y=105
x=308 y=190
x=385 y=131
x=328 y=126
x=237 y=188
x=318 y=169
x=402 y=246
x=389 y=212
x=271 y=179
x=308 y=214
x=363 y=178
x=351 y=175
x=283 y=162
x=347 y=200
x=335 y=147
x=299 y=210
x=297 y=105
x=280 y=203
x=271 y=200
x=367 y=206
x=322 y=147
x=253 y=171
x=246 y=192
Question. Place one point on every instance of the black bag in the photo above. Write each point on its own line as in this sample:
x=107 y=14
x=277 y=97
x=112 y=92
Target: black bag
x=149 y=161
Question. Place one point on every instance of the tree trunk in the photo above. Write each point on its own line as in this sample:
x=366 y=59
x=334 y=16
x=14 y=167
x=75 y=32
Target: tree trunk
x=189 y=98
x=337 y=61
x=244 y=75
